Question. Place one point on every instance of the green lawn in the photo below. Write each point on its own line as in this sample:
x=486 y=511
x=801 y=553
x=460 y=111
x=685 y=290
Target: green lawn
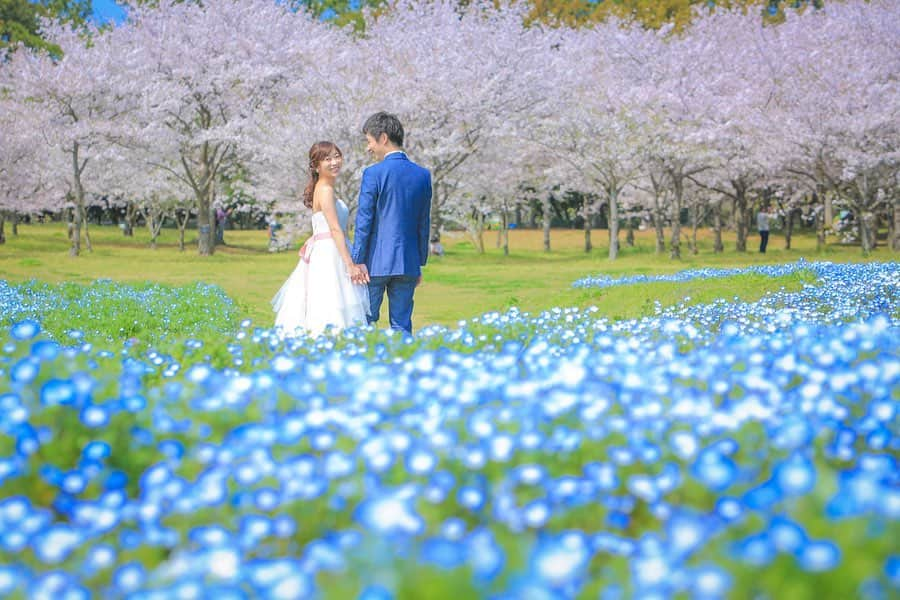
x=459 y=285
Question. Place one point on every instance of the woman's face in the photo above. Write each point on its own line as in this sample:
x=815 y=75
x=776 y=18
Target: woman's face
x=331 y=164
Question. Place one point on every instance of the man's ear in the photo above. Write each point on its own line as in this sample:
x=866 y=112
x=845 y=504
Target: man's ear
x=383 y=139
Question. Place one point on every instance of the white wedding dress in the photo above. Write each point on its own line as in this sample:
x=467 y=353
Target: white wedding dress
x=319 y=293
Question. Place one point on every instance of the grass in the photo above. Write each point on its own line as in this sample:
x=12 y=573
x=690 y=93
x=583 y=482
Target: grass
x=459 y=285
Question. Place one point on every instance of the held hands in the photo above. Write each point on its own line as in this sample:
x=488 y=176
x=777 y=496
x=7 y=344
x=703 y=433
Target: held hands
x=359 y=274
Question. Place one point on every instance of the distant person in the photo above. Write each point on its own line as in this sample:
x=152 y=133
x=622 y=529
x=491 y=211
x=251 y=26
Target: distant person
x=436 y=248
x=762 y=224
x=274 y=227
x=221 y=222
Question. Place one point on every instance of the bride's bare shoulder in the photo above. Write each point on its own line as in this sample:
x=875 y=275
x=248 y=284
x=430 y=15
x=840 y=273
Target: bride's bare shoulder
x=324 y=190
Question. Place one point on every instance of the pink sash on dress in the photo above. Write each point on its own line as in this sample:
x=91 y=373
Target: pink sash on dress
x=308 y=245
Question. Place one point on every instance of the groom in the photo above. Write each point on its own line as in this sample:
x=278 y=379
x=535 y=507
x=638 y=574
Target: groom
x=392 y=223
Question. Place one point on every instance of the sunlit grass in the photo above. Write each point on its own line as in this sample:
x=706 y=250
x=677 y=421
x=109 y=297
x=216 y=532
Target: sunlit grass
x=459 y=285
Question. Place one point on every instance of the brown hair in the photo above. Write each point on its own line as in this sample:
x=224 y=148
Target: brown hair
x=319 y=152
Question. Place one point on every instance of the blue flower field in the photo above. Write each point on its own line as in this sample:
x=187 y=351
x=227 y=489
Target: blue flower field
x=155 y=446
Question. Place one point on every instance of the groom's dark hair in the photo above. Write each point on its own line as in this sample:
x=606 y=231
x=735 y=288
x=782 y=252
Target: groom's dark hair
x=382 y=122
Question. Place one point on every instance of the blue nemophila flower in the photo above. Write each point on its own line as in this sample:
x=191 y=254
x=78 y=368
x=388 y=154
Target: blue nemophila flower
x=444 y=553
x=709 y=582
x=791 y=433
x=763 y=497
x=524 y=423
x=129 y=577
x=560 y=560
x=25 y=371
x=12 y=577
x=756 y=549
x=391 y=513
x=795 y=476
x=95 y=416
x=12 y=411
x=471 y=497
x=9 y=468
x=786 y=536
x=892 y=570
x=54 y=545
x=375 y=592
x=56 y=584
x=100 y=557
x=25 y=330
x=818 y=556
x=210 y=536
x=686 y=532
x=713 y=469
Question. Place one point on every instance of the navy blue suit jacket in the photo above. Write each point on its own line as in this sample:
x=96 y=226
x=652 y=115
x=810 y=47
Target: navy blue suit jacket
x=393 y=217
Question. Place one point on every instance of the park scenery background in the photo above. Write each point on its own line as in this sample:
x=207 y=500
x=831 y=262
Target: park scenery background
x=587 y=409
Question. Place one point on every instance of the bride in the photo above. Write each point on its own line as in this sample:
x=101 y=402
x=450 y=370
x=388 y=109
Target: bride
x=319 y=293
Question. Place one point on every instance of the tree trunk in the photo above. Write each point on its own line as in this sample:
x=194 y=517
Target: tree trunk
x=478 y=238
x=2 y=234
x=476 y=230
x=182 y=225
x=875 y=226
x=866 y=233
x=675 y=245
x=585 y=207
x=205 y=194
x=438 y=201
x=740 y=215
x=660 y=232
x=789 y=227
x=695 y=224
x=658 y=220
x=75 y=249
x=70 y=221
x=613 y=196
x=155 y=219
x=205 y=233
x=546 y=216
x=829 y=210
x=87 y=234
x=130 y=216
x=629 y=236
x=78 y=219
x=212 y=221
x=504 y=227
x=718 y=248
x=14 y=222
x=820 y=230
x=436 y=223
x=895 y=224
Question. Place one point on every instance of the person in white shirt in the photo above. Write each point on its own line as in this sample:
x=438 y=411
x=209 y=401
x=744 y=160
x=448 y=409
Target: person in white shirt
x=762 y=224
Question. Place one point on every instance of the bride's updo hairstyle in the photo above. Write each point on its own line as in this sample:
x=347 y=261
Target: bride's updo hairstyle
x=319 y=152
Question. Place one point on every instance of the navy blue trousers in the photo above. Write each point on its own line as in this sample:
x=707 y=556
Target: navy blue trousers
x=400 y=289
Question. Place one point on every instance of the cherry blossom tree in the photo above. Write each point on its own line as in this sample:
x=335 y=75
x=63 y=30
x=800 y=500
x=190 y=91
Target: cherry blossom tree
x=23 y=187
x=596 y=128
x=75 y=108
x=325 y=96
x=204 y=92
x=740 y=83
x=456 y=75
x=633 y=121
x=839 y=120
